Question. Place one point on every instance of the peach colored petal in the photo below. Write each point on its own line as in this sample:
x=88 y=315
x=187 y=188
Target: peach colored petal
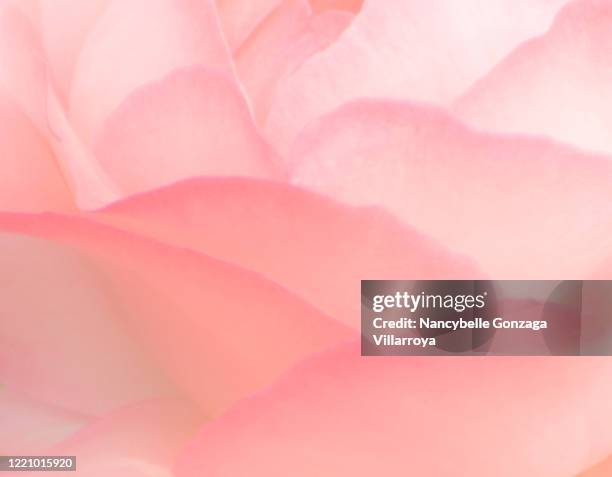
x=192 y=123
x=353 y=6
x=559 y=85
x=63 y=339
x=341 y=414
x=521 y=207
x=31 y=180
x=65 y=25
x=29 y=427
x=409 y=49
x=140 y=440
x=288 y=37
x=311 y=245
x=603 y=469
x=138 y=41
x=241 y=17
x=219 y=331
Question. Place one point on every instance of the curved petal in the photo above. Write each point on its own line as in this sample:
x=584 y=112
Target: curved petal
x=138 y=41
x=29 y=427
x=62 y=340
x=311 y=245
x=559 y=85
x=65 y=25
x=286 y=39
x=389 y=416
x=603 y=469
x=353 y=6
x=503 y=201
x=192 y=123
x=409 y=49
x=31 y=180
x=240 y=18
x=140 y=440
x=219 y=331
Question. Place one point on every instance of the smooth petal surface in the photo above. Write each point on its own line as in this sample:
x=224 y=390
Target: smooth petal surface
x=409 y=49
x=31 y=427
x=65 y=25
x=603 y=469
x=219 y=331
x=31 y=180
x=311 y=245
x=63 y=339
x=352 y=6
x=390 y=416
x=140 y=440
x=136 y=42
x=240 y=18
x=192 y=123
x=288 y=37
x=493 y=198
x=559 y=85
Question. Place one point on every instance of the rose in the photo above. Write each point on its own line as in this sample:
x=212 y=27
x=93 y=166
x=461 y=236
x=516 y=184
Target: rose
x=191 y=279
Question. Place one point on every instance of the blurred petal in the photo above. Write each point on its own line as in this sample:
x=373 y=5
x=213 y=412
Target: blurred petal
x=311 y=245
x=352 y=6
x=419 y=416
x=24 y=77
x=504 y=201
x=241 y=17
x=29 y=427
x=65 y=26
x=192 y=123
x=287 y=38
x=603 y=469
x=138 y=41
x=31 y=180
x=410 y=49
x=221 y=332
x=140 y=440
x=62 y=336
x=559 y=85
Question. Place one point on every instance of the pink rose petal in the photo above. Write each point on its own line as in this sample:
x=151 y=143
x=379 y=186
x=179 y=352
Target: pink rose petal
x=192 y=123
x=352 y=6
x=409 y=49
x=65 y=25
x=31 y=180
x=63 y=339
x=559 y=85
x=31 y=427
x=341 y=414
x=523 y=208
x=603 y=469
x=140 y=440
x=138 y=41
x=288 y=37
x=241 y=17
x=311 y=245
x=218 y=330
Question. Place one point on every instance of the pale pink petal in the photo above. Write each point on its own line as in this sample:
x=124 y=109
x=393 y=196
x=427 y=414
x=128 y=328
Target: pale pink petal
x=409 y=49
x=62 y=336
x=30 y=427
x=288 y=37
x=521 y=207
x=311 y=245
x=341 y=414
x=240 y=18
x=219 y=331
x=559 y=85
x=25 y=78
x=138 y=41
x=192 y=123
x=353 y=6
x=603 y=469
x=140 y=440
x=65 y=25
x=31 y=180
